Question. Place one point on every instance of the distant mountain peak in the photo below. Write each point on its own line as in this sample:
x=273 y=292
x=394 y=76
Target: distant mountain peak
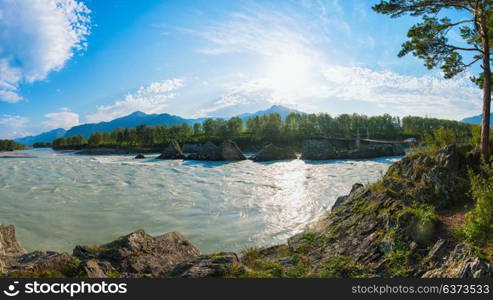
x=476 y=119
x=137 y=113
x=283 y=111
x=44 y=137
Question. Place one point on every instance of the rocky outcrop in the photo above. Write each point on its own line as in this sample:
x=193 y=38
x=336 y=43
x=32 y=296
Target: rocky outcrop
x=230 y=151
x=271 y=153
x=214 y=265
x=140 y=156
x=227 y=151
x=207 y=151
x=393 y=227
x=137 y=255
x=16 y=262
x=172 y=151
x=318 y=150
x=326 y=149
x=462 y=262
x=191 y=148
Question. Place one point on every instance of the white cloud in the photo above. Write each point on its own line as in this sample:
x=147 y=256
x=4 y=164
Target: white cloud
x=238 y=99
x=429 y=94
x=376 y=91
x=14 y=134
x=12 y=126
x=259 y=31
x=36 y=38
x=13 y=121
x=300 y=58
x=152 y=98
x=62 y=119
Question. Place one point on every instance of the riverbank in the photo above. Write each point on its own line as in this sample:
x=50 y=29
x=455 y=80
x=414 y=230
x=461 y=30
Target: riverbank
x=401 y=226
x=228 y=150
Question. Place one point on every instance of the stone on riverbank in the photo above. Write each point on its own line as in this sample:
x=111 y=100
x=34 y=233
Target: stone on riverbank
x=172 y=151
x=227 y=151
x=325 y=149
x=272 y=153
x=138 y=254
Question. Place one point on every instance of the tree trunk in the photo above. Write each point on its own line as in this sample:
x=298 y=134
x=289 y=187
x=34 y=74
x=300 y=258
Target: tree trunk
x=485 y=124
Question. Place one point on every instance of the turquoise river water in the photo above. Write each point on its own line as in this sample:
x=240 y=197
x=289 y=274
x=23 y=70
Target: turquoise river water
x=59 y=200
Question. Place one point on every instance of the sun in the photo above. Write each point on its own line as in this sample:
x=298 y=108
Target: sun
x=288 y=72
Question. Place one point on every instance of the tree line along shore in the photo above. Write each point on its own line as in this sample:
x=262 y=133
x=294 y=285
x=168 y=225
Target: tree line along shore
x=259 y=131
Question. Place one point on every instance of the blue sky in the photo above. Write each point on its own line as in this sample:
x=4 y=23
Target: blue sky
x=66 y=62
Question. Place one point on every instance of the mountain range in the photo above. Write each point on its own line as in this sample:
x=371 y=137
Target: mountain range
x=476 y=119
x=135 y=119
x=45 y=137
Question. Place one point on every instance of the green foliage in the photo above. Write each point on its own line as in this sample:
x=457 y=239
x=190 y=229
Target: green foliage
x=397 y=261
x=440 y=138
x=263 y=268
x=478 y=226
x=425 y=213
x=429 y=39
x=74 y=269
x=270 y=129
x=42 y=145
x=9 y=145
x=342 y=267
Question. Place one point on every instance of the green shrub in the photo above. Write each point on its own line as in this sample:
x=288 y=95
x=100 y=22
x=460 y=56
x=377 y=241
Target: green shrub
x=74 y=269
x=440 y=137
x=397 y=261
x=478 y=226
x=342 y=267
x=424 y=212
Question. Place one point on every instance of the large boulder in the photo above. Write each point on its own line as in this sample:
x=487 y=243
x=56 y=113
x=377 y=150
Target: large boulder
x=8 y=241
x=140 y=156
x=16 y=262
x=318 y=150
x=230 y=151
x=40 y=264
x=137 y=255
x=172 y=151
x=10 y=248
x=207 y=151
x=271 y=153
x=227 y=151
x=325 y=149
x=191 y=148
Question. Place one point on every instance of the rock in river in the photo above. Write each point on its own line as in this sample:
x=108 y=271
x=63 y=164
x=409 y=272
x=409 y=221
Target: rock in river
x=173 y=151
x=271 y=152
x=228 y=151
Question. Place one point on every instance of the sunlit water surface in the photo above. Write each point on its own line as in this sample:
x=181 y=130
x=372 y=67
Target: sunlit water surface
x=58 y=200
